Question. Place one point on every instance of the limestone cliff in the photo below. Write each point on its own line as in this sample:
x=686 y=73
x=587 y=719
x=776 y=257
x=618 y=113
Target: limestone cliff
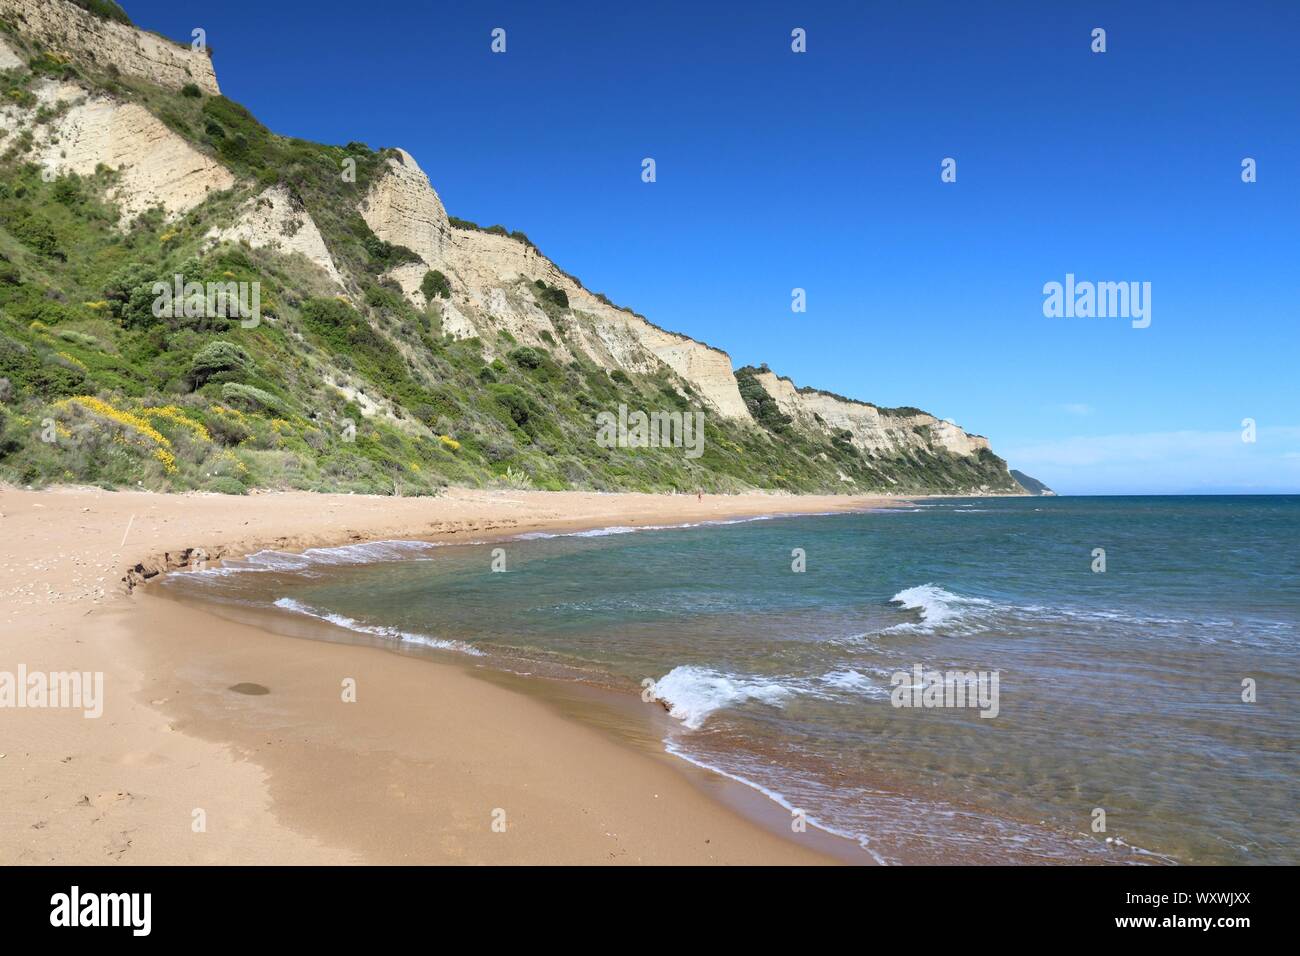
x=871 y=428
x=157 y=167
x=403 y=209
x=67 y=29
x=485 y=267
x=9 y=57
x=274 y=219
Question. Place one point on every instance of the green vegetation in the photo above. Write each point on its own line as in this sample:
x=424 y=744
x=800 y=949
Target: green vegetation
x=328 y=391
x=498 y=230
x=552 y=294
x=218 y=359
x=1031 y=485
x=435 y=286
x=104 y=8
x=760 y=404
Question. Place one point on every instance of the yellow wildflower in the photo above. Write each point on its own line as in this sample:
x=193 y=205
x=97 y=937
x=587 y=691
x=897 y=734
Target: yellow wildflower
x=105 y=410
x=168 y=460
x=174 y=415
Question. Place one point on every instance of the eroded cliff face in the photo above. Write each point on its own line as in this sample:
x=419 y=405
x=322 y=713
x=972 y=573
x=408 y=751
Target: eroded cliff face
x=403 y=209
x=273 y=219
x=75 y=128
x=65 y=28
x=871 y=429
x=485 y=271
x=156 y=166
x=9 y=57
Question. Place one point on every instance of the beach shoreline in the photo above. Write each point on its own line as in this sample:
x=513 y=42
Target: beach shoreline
x=182 y=769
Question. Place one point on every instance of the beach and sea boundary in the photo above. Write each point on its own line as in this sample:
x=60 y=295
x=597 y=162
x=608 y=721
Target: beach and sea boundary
x=221 y=742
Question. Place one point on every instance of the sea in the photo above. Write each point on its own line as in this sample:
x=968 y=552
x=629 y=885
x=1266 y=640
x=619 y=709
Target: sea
x=986 y=680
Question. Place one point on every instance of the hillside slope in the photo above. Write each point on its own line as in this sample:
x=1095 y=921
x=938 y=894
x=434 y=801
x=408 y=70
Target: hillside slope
x=384 y=346
x=1031 y=485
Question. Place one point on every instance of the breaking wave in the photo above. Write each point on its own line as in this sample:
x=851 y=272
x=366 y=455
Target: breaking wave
x=693 y=693
x=939 y=608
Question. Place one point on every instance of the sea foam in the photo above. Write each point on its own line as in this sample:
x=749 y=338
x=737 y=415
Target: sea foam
x=693 y=693
x=409 y=637
x=937 y=607
x=338 y=556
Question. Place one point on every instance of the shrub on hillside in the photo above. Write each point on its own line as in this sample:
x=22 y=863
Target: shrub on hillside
x=35 y=232
x=252 y=399
x=435 y=286
x=527 y=358
x=552 y=294
x=514 y=402
x=384 y=255
x=104 y=8
x=52 y=65
x=227 y=430
x=760 y=404
x=218 y=360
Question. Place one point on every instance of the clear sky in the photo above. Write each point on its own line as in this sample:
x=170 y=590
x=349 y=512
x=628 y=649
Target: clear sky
x=821 y=170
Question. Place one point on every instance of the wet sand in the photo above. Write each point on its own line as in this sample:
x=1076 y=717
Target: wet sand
x=434 y=762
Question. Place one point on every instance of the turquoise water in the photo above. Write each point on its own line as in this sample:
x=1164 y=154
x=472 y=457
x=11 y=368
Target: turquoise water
x=1118 y=691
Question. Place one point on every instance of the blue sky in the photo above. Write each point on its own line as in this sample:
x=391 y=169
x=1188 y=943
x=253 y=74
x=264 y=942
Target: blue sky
x=821 y=170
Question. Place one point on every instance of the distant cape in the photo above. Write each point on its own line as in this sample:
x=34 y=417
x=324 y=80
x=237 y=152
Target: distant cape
x=1031 y=485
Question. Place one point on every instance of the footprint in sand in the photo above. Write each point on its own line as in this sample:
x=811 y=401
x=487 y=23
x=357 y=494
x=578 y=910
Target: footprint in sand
x=118 y=845
x=106 y=799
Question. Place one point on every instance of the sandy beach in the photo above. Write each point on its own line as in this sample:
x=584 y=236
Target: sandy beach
x=433 y=763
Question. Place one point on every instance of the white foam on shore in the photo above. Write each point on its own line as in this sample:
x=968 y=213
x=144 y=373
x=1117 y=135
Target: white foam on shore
x=409 y=637
x=338 y=556
x=693 y=693
x=593 y=533
x=629 y=529
x=776 y=797
x=399 y=550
